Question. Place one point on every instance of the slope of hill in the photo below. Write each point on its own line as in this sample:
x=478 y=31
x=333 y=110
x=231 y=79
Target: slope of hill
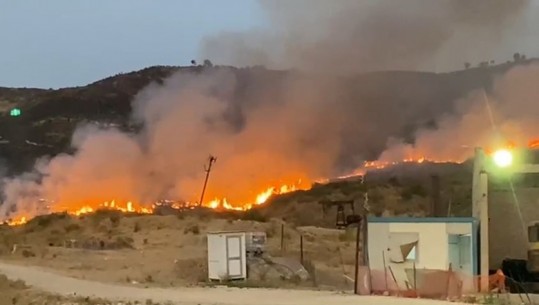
x=50 y=116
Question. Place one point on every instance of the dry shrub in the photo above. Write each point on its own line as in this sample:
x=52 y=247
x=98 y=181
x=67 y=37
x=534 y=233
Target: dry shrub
x=72 y=227
x=100 y=215
x=5 y=283
x=115 y=219
x=192 y=229
x=28 y=253
x=41 y=222
x=137 y=227
x=122 y=242
x=192 y=271
x=47 y=220
x=272 y=230
x=254 y=215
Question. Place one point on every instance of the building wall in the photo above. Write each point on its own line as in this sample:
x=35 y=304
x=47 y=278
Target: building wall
x=508 y=221
x=432 y=247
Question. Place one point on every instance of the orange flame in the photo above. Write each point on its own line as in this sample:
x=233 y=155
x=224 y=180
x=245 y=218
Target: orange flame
x=533 y=144
x=260 y=198
x=130 y=207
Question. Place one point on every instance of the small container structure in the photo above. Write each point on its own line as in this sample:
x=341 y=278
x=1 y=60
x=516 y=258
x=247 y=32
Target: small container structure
x=227 y=256
x=255 y=243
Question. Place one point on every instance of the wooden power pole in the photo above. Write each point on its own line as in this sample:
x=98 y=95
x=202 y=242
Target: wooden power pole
x=211 y=160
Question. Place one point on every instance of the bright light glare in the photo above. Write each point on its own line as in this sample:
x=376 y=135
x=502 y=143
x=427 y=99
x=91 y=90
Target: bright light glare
x=503 y=158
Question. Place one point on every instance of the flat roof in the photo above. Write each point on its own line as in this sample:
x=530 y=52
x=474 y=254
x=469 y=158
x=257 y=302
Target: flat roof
x=421 y=219
x=227 y=232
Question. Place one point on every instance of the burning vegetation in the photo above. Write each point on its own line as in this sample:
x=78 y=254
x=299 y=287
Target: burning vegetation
x=308 y=139
x=130 y=207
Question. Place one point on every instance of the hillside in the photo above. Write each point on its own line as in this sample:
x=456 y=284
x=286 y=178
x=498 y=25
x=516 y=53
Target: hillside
x=50 y=116
x=406 y=100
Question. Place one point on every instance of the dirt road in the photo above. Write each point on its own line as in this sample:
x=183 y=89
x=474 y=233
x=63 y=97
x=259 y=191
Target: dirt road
x=58 y=284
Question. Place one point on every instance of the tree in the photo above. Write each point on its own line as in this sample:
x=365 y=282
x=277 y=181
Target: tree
x=194 y=62
x=467 y=65
x=492 y=62
x=208 y=63
x=516 y=56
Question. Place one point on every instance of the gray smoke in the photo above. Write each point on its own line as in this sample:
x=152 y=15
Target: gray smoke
x=185 y=120
x=349 y=36
x=490 y=120
x=278 y=132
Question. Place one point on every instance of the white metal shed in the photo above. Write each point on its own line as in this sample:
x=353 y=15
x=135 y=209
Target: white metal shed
x=227 y=255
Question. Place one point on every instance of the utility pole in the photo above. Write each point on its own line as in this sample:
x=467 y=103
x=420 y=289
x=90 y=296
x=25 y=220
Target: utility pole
x=211 y=160
x=480 y=212
x=362 y=234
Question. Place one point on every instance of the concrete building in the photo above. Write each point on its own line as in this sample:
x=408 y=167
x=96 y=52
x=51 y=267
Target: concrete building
x=512 y=204
x=429 y=243
x=509 y=214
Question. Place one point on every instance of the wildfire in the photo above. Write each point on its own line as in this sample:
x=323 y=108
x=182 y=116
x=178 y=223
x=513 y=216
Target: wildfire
x=130 y=207
x=261 y=198
x=223 y=204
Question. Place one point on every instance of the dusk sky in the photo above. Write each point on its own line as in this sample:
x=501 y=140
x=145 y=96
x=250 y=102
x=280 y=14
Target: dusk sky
x=59 y=43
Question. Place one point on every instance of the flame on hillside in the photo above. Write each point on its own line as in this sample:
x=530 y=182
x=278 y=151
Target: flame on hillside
x=379 y=165
x=420 y=158
x=223 y=204
x=131 y=207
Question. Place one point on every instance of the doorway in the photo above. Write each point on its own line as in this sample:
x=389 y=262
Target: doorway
x=234 y=258
x=460 y=252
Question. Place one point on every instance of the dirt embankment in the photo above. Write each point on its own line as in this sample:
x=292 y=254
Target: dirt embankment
x=171 y=251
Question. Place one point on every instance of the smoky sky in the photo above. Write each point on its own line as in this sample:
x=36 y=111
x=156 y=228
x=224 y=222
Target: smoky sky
x=269 y=128
x=349 y=36
x=505 y=114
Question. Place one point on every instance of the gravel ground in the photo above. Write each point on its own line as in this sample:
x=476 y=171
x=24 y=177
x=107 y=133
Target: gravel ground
x=57 y=284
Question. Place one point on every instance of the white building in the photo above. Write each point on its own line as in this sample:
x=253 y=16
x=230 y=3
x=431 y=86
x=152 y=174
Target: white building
x=430 y=243
x=227 y=258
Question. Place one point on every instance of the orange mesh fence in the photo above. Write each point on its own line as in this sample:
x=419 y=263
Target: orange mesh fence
x=424 y=283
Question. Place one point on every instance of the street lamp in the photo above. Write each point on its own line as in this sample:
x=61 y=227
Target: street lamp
x=502 y=163
x=503 y=158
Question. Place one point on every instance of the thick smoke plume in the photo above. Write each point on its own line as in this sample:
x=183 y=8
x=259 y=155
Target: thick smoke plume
x=306 y=128
x=489 y=120
x=185 y=120
x=349 y=36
